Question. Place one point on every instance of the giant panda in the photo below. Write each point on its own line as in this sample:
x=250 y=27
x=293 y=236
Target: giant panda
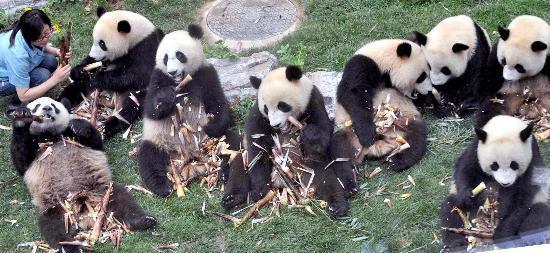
x=125 y=42
x=282 y=93
x=202 y=99
x=69 y=168
x=382 y=72
x=503 y=155
x=456 y=50
x=516 y=81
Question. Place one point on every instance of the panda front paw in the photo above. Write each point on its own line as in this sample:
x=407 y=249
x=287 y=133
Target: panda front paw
x=20 y=115
x=259 y=192
x=464 y=200
x=233 y=199
x=313 y=141
x=78 y=75
x=81 y=128
x=142 y=222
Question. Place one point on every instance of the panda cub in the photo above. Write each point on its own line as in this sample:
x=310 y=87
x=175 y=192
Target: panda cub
x=384 y=72
x=456 y=50
x=503 y=156
x=286 y=92
x=517 y=80
x=125 y=43
x=68 y=168
x=202 y=101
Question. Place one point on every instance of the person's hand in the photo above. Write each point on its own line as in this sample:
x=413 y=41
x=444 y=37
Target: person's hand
x=61 y=73
x=68 y=55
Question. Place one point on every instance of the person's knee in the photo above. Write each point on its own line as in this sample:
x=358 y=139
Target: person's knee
x=49 y=62
x=39 y=75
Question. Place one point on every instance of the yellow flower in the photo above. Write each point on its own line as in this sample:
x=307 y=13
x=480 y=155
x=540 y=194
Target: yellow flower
x=27 y=9
x=56 y=27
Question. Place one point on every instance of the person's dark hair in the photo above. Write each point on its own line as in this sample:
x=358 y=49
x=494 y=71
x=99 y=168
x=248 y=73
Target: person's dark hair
x=31 y=24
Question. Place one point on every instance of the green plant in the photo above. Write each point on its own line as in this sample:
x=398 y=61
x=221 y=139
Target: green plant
x=294 y=55
x=219 y=50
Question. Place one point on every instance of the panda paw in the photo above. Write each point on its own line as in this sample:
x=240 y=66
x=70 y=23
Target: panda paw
x=464 y=201
x=71 y=249
x=313 y=140
x=233 y=199
x=81 y=128
x=20 y=115
x=396 y=163
x=258 y=193
x=159 y=186
x=143 y=222
x=78 y=75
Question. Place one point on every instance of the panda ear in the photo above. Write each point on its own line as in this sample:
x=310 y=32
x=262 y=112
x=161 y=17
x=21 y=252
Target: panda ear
x=255 y=82
x=538 y=46
x=418 y=38
x=195 y=31
x=100 y=11
x=124 y=26
x=404 y=50
x=293 y=73
x=504 y=32
x=459 y=47
x=481 y=134
x=65 y=102
x=526 y=132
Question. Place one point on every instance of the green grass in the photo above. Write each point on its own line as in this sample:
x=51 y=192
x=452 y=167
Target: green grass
x=331 y=32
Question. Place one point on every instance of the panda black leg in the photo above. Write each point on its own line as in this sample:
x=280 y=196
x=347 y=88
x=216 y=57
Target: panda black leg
x=537 y=219
x=340 y=147
x=126 y=209
x=416 y=135
x=131 y=111
x=153 y=164
x=329 y=189
x=85 y=133
x=236 y=188
x=508 y=227
x=259 y=177
x=451 y=220
x=51 y=224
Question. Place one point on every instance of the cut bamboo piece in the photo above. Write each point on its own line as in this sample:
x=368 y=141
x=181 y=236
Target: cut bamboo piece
x=96 y=231
x=256 y=208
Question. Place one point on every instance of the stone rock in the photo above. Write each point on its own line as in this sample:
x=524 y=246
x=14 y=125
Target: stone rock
x=11 y=6
x=327 y=82
x=235 y=74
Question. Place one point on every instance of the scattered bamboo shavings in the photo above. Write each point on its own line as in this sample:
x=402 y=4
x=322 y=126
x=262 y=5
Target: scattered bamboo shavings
x=470 y=232
x=405 y=196
x=2 y=127
x=133 y=152
x=171 y=246
x=138 y=188
x=388 y=202
x=126 y=133
x=375 y=172
x=496 y=100
x=463 y=217
x=542 y=135
x=478 y=189
x=411 y=180
x=94 y=105
x=101 y=216
x=92 y=66
x=442 y=181
x=47 y=152
x=256 y=207
x=295 y=122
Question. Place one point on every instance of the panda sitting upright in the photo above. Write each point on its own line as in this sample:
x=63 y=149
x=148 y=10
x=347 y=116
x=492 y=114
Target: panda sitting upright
x=52 y=173
x=456 y=50
x=282 y=93
x=517 y=79
x=125 y=43
x=202 y=101
x=384 y=72
x=503 y=155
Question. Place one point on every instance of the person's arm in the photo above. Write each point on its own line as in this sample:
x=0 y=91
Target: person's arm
x=29 y=94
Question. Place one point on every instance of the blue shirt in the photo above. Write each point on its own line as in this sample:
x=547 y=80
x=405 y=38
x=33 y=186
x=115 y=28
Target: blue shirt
x=18 y=61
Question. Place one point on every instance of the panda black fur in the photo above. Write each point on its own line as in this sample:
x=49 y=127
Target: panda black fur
x=125 y=42
x=503 y=155
x=518 y=72
x=179 y=54
x=382 y=70
x=456 y=50
x=282 y=93
x=67 y=169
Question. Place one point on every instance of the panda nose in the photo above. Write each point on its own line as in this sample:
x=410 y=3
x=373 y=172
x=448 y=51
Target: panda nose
x=47 y=108
x=172 y=73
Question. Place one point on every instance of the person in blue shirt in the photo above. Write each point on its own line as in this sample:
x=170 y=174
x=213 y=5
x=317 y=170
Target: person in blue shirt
x=28 y=64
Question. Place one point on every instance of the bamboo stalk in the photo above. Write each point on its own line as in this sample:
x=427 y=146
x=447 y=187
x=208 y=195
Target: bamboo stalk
x=93 y=119
x=96 y=231
x=256 y=208
x=470 y=232
x=177 y=179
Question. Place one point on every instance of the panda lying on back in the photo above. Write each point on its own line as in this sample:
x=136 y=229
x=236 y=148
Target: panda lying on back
x=125 y=42
x=69 y=168
x=382 y=72
x=201 y=100
x=282 y=93
x=503 y=156
x=456 y=50
x=517 y=79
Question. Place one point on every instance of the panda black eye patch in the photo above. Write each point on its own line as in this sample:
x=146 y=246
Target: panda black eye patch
x=55 y=108
x=102 y=45
x=284 y=107
x=181 y=57
x=35 y=108
x=165 y=60
x=421 y=78
x=446 y=71
x=494 y=166
x=514 y=165
x=520 y=68
x=265 y=109
x=503 y=62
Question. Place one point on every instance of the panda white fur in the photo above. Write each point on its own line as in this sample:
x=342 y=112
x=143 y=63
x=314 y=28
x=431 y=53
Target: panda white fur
x=125 y=42
x=518 y=71
x=69 y=168
x=503 y=155
x=384 y=71
x=282 y=93
x=456 y=50
x=202 y=102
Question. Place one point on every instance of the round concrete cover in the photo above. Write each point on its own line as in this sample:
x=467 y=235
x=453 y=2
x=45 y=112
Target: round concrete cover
x=251 y=19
